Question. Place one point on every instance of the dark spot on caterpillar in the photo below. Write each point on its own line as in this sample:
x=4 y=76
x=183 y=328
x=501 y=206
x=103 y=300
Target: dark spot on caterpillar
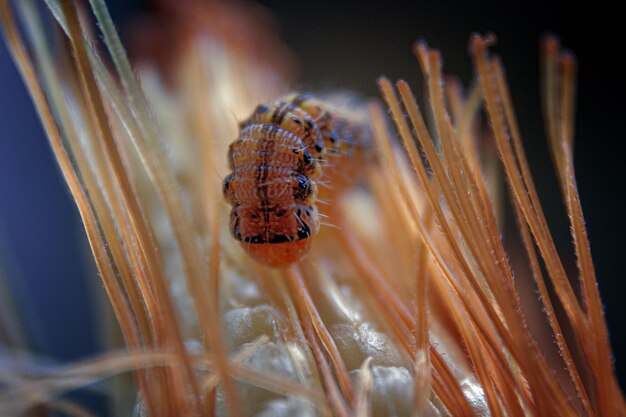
x=307 y=158
x=303 y=189
x=304 y=232
x=255 y=239
x=226 y=186
x=303 y=182
x=280 y=239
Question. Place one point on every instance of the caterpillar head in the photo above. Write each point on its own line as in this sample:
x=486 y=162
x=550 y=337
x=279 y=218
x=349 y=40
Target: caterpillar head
x=275 y=236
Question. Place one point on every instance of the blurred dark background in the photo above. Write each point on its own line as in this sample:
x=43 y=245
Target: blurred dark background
x=343 y=45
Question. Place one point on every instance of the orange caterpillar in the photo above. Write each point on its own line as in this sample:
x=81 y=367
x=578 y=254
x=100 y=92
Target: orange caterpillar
x=282 y=152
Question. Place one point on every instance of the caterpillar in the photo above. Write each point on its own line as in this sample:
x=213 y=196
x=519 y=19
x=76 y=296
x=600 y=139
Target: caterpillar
x=283 y=150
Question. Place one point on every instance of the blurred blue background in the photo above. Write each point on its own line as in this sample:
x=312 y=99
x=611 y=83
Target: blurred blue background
x=345 y=45
x=40 y=232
